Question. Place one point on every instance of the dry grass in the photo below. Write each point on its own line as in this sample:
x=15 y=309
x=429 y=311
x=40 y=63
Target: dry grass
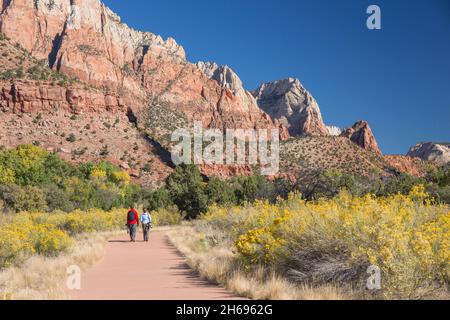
x=217 y=264
x=41 y=278
x=335 y=241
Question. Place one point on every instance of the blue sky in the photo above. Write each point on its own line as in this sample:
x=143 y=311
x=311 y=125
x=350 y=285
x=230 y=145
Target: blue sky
x=397 y=78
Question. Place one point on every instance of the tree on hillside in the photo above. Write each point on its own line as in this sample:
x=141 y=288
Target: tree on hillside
x=252 y=188
x=220 y=192
x=57 y=199
x=327 y=184
x=28 y=164
x=402 y=184
x=187 y=189
x=158 y=199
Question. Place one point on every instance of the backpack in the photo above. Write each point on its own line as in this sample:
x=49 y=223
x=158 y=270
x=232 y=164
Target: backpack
x=131 y=216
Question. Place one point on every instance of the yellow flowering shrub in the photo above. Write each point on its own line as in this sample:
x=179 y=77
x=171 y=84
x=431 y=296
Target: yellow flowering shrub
x=7 y=175
x=49 y=241
x=14 y=245
x=259 y=246
x=121 y=177
x=50 y=234
x=78 y=221
x=166 y=217
x=407 y=237
x=98 y=173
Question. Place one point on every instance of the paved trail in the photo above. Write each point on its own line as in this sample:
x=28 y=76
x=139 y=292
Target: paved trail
x=145 y=271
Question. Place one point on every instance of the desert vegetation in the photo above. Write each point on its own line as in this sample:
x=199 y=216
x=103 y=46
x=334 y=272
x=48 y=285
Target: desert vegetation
x=295 y=249
x=32 y=179
x=26 y=234
x=17 y=63
x=328 y=153
x=32 y=233
x=160 y=122
x=43 y=278
x=312 y=238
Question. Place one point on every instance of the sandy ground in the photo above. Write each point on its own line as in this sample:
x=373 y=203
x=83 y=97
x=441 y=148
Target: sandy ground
x=145 y=271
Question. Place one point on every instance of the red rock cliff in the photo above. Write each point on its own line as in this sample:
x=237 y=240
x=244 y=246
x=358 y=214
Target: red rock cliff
x=86 y=40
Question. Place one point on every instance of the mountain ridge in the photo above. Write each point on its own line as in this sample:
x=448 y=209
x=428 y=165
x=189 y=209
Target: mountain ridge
x=149 y=78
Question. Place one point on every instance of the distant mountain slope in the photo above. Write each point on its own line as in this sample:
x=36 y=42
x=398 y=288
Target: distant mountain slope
x=437 y=152
x=81 y=123
x=330 y=153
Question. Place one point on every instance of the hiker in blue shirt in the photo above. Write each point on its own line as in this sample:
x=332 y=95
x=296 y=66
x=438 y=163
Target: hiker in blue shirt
x=146 y=220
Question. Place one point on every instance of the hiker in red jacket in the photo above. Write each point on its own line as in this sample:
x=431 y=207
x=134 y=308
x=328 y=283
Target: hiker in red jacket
x=132 y=223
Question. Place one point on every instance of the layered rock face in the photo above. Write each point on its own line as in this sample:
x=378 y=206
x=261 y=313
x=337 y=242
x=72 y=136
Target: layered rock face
x=86 y=40
x=290 y=103
x=437 y=152
x=31 y=97
x=361 y=134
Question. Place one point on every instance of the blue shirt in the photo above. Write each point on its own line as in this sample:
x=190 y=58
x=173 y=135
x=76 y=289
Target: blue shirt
x=146 y=218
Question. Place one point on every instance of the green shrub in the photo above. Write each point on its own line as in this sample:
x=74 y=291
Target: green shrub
x=26 y=198
x=157 y=199
x=104 y=151
x=3 y=37
x=220 y=192
x=71 y=138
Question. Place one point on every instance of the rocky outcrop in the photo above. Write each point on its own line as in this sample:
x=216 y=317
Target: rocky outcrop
x=224 y=75
x=228 y=80
x=436 y=152
x=361 y=134
x=405 y=164
x=334 y=131
x=290 y=103
x=32 y=97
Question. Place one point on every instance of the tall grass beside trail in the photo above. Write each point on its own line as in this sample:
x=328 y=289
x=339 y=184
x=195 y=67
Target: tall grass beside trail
x=297 y=246
x=49 y=234
x=43 y=278
x=26 y=234
x=217 y=262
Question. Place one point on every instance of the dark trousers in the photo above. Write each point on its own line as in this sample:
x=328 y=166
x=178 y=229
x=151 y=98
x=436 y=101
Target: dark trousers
x=133 y=231
x=146 y=231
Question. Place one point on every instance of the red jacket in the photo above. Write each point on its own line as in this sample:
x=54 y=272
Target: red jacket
x=136 y=217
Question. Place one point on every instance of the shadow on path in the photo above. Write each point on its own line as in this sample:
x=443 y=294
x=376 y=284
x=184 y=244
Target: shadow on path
x=146 y=271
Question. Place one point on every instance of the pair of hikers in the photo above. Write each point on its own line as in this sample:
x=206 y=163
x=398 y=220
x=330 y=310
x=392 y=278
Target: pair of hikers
x=133 y=221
